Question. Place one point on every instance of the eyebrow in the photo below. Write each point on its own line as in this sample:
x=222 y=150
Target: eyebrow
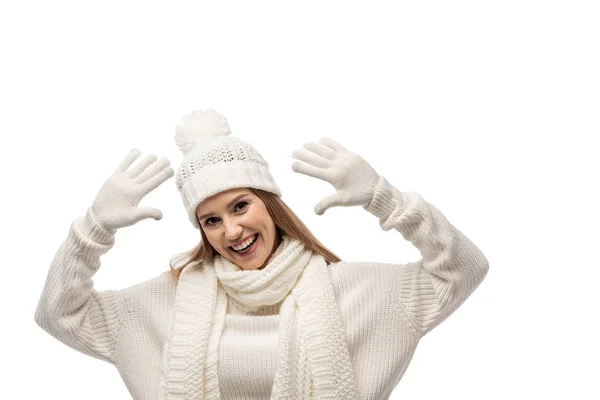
x=228 y=206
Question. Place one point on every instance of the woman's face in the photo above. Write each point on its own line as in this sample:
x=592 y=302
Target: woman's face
x=233 y=218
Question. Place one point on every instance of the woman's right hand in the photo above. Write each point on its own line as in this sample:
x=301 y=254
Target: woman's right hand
x=115 y=205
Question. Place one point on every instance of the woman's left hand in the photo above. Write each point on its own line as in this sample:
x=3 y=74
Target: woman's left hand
x=353 y=178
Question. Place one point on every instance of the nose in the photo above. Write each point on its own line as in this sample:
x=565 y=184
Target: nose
x=233 y=230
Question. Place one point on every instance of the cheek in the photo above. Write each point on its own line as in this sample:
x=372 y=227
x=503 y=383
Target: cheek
x=212 y=240
x=253 y=219
x=261 y=217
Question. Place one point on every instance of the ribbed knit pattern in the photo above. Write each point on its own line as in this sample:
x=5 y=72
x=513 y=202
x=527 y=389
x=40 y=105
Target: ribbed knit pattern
x=385 y=309
x=68 y=309
x=325 y=338
x=248 y=348
x=432 y=288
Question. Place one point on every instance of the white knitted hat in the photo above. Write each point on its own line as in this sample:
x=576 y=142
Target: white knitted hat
x=214 y=161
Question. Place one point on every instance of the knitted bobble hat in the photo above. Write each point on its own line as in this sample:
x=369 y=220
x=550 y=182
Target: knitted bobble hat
x=215 y=161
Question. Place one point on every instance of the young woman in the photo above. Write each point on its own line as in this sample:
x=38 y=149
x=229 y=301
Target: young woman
x=260 y=308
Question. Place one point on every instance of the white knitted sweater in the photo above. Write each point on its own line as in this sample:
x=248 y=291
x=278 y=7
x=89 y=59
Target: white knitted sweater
x=385 y=308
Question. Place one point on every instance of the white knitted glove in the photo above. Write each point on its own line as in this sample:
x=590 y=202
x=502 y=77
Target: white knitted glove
x=354 y=179
x=115 y=205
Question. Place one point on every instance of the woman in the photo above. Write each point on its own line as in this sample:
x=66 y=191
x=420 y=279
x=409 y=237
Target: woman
x=260 y=308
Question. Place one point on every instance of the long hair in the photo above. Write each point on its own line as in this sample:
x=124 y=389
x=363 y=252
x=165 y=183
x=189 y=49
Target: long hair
x=286 y=221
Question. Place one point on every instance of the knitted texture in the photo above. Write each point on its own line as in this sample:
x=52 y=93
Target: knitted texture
x=189 y=363
x=255 y=289
x=215 y=161
x=385 y=309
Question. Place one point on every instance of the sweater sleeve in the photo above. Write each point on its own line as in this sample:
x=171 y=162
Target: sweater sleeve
x=451 y=267
x=70 y=309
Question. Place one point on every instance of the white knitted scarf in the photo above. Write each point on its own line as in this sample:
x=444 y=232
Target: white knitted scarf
x=314 y=362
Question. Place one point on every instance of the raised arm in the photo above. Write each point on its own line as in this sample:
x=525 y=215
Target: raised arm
x=429 y=290
x=70 y=309
x=452 y=267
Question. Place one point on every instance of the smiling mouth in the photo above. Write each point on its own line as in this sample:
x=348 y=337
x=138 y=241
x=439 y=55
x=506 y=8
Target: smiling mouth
x=248 y=247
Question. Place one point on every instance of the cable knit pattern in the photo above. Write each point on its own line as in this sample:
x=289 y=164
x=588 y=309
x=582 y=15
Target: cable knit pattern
x=385 y=309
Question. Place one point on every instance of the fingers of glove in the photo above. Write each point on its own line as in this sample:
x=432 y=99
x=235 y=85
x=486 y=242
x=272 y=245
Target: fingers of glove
x=156 y=180
x=310 y=170
x=142 y=165
x=311 y=158
x=154 y=169
x=130 y=216
x=329 y=201
x=320 y=150
x=332 y=144
x=129 y=159
x=140 y=213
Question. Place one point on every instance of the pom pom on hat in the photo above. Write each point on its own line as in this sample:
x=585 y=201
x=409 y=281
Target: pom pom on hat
x=198 y=125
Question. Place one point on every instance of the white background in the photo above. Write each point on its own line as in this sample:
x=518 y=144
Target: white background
x=487 y=109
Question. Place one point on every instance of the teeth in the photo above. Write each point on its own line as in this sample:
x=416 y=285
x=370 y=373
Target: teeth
x=244 y=243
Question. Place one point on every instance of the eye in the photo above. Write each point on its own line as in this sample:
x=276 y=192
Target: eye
x=207 y=221
x=244 y=203
x=241 y=202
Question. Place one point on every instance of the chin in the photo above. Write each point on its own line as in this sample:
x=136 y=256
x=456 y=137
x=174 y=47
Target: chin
x=249 y=268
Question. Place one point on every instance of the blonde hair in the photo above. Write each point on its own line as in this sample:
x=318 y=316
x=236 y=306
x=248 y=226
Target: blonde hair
x=286 y=221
